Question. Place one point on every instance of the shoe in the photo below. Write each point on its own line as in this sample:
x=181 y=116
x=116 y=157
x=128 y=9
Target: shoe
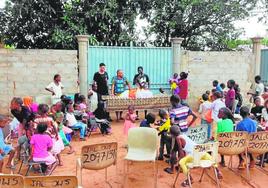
x=252 y=164
x=160 y=158
x=167 y=156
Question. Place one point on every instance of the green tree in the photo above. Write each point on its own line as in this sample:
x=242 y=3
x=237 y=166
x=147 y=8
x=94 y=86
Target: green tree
x=29 y=23
x=202 y=23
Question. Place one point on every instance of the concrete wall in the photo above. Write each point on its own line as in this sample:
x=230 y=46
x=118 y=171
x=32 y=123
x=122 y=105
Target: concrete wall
x=28 y=72
x=204 y=67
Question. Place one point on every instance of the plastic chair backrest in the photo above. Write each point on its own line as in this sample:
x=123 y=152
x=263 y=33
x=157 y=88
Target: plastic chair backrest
x=233 y=143
x=258 y=143
x=99 y=156
x=142 y=138
x=43 y=99
x=51 y=181
x=14 y=181
x=201 y=149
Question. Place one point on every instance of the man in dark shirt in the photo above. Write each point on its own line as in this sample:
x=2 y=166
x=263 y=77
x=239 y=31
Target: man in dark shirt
x=257 y=110
x=101 y=80
x=141 y=80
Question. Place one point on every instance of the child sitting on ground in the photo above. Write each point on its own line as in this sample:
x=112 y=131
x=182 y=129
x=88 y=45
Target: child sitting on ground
x=225 y=125
x=165 y=139
x=179 y=114
x=184 y=146
x=129 y=119
x=73 y=123
x=5 y=149
x=203 y=110
x=149 y=119
x=41 y=145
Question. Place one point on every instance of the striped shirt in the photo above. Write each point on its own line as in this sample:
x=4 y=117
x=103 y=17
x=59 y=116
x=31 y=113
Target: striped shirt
x=180 y=115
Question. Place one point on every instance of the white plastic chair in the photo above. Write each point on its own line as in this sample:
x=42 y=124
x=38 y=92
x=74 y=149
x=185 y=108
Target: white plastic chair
x=142 y=146
x=198 y=153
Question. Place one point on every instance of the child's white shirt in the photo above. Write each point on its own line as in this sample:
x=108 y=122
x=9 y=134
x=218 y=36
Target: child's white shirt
x=203 y=108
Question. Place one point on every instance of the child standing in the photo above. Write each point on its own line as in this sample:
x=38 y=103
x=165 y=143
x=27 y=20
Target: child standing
x=149 y=119
x=164 y=130
x=179 y=114
x=41 y=145
x=225 y=125
x=183 y=86
x=5 y=149
x=230 y=96
x=129 y=119
x=174 y=81
x=203 y=110
x=216 y=105
x=93 y=98
x=239 y=99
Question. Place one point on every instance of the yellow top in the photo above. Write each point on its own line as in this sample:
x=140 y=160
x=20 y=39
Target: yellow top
x=166 y=126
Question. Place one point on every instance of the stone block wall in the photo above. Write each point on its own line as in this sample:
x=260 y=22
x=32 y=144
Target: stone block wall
x=204 y=67
x=28 y=72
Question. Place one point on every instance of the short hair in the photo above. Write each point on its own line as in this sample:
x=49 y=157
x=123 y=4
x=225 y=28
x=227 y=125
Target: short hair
x=175 y=130
x=175 y=99
x=150 y=118
x=217 y=94
x=256 y=98
x=183 y=75
x=140 y=67
x=244 y=111
x=232 y=83
x=222 y=85
x=119 y=71
x=131 y=107
x=101 y=64
x=258 y=78
x=56 y=76
x=216 y=82
x=205 y=97
x=43 y=108
x=17 y=100
x=41 y=127
x=162 y=113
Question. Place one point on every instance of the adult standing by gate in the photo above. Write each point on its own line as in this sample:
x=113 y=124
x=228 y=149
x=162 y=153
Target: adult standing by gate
x=100 y=79
x=55 y=88
x=142 y=81
x=119 y=83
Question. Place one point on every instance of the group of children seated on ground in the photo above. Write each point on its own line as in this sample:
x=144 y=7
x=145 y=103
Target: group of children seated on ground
x=45 y=131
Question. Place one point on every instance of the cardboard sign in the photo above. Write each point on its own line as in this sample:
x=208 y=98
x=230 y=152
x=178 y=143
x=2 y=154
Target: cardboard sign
x=51 y=182
x=99 y=156
x=198 y=134
x=232 y=143
x=204 y=147
x=14 y=181
x=258 y=143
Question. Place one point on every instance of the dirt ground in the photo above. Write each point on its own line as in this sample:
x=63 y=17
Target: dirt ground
x=141 y=174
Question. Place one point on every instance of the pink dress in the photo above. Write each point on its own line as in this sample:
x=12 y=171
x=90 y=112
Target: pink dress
x=128 y=123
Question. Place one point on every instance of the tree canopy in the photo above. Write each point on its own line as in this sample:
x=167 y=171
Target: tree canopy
x=204 y=24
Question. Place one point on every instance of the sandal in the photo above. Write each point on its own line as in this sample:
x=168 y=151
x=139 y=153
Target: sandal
x=186 y=183
x=168 y=170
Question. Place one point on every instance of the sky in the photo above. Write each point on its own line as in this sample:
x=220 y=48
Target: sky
x=251 y=25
